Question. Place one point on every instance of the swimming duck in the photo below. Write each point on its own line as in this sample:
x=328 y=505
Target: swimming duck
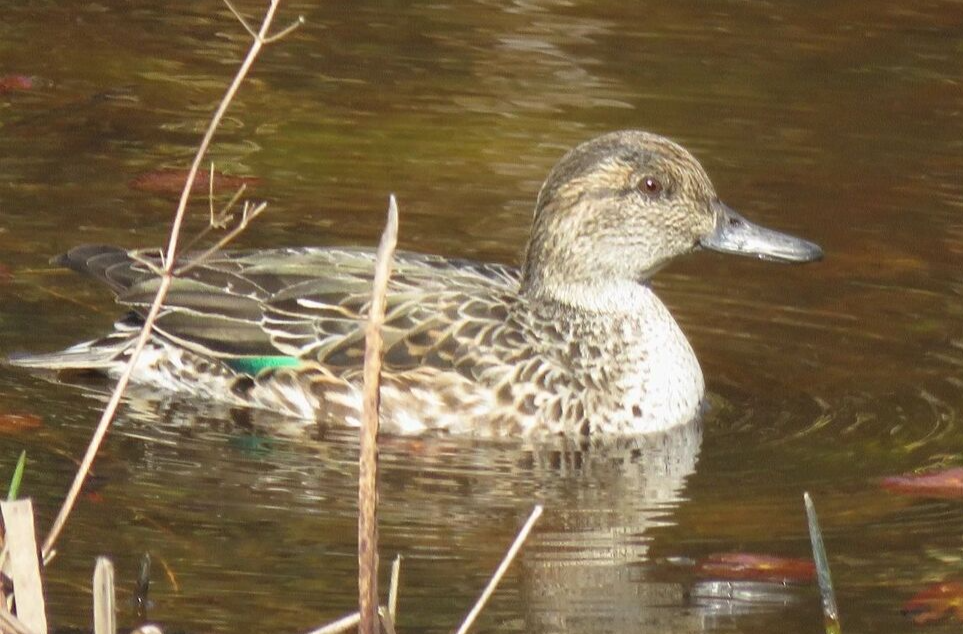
x=573 y=342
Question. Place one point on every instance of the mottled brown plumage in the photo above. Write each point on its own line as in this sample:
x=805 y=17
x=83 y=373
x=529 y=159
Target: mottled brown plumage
x=573 y=342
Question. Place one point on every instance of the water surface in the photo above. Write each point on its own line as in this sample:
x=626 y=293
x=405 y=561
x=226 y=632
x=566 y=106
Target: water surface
x=837 y=121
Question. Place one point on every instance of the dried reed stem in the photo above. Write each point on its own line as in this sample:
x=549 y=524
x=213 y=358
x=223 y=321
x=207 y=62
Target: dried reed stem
x=368 y=458
x=500 y=571
x=21 y=541
x=105 y=603
x=165 y=283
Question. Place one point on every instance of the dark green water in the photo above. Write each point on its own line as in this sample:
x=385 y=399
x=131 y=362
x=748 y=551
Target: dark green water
x=838 y=121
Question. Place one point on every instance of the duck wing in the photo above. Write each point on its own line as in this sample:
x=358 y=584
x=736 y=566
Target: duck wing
x=309 y=302
x=428 y=302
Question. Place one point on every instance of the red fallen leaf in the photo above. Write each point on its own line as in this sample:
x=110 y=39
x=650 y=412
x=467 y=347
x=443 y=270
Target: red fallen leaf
x=93 y=496
x=947 y=483
x=750 y=567
x=15 y=82
x=5 y=274
x=12 y=423
x=171 y=181
x=935 y=603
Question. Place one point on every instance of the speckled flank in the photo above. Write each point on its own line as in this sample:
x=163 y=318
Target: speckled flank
x=574 y=342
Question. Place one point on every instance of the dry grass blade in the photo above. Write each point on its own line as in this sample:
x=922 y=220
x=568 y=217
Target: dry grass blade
x=368 y=458
x=17 y=478
x=21 y=542
x=500 y=571
x=825 y=580
x=165 y=283
x=105 y=610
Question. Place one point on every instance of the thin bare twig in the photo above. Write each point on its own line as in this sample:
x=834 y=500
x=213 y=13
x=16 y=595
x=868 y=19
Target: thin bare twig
x=210 y=192
x=246 y=218
x=226 y=212
x=285 y=31
x=258 y=36
x=241 y=19
x=219 y=220
x=368 y=458
x=500 y=571
x=140 y=258
x=165 y=283
x=102 y=427
x=259 y=41
x=343 y=624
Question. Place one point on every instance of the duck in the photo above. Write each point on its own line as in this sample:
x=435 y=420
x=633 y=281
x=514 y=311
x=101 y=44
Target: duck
x=573 y=342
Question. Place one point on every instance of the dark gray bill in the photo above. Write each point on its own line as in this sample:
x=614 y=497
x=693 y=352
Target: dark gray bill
x=735 y=234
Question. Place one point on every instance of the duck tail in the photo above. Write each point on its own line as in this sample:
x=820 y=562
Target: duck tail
x=98 y=354
x=110 y=265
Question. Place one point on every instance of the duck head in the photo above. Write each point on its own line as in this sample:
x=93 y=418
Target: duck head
x=616 y=209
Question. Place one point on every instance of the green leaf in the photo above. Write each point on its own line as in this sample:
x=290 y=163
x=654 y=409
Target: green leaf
x=17 y=477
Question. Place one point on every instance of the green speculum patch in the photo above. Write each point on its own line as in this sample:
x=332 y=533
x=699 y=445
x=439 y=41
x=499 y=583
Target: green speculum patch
x=254 y=365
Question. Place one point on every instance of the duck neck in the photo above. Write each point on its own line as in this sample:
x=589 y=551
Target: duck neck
x=598 y=297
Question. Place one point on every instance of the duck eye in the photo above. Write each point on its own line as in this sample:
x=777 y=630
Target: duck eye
x=650 y=185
